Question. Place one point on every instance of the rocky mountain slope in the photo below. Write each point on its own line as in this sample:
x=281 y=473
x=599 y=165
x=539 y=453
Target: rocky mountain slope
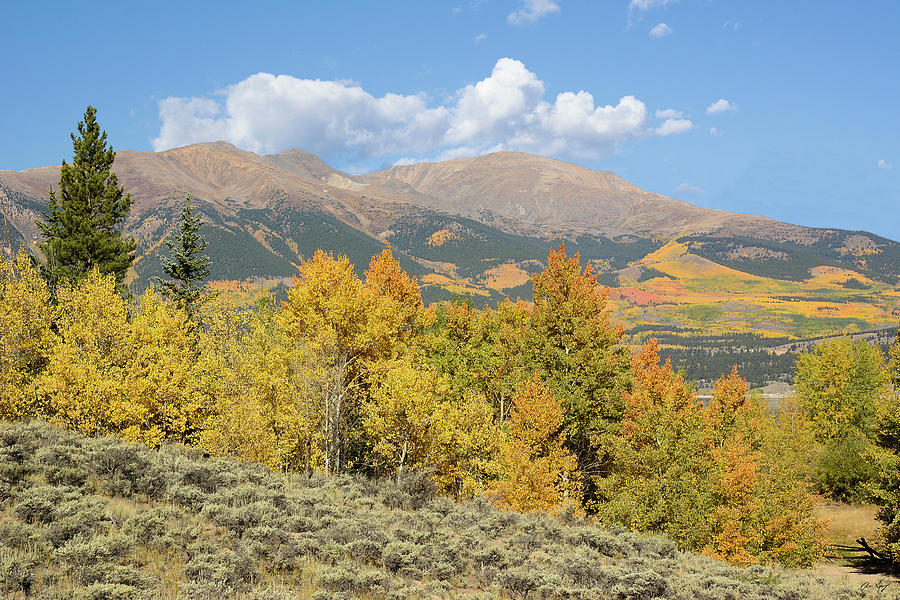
x=479 y=227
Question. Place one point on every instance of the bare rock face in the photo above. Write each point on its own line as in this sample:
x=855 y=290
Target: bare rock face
x=510 y=207
x=559 y=196
x=516 y=192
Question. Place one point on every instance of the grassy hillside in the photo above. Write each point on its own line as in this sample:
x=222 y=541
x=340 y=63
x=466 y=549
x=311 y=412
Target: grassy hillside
x=104 y=519
x=680 y=286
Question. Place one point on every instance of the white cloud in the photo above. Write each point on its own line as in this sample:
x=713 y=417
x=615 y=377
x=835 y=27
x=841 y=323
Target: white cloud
x=661 y=30
x=645 y=5
x=715 y=131
x=673 y=126
x=720 y=106
x=689 y=189
x=532 y=10
x=344 y=124
x=883 y=164
x=480 y=37
x=669 y=113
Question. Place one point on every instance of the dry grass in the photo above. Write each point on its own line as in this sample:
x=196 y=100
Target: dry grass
x=848 y=522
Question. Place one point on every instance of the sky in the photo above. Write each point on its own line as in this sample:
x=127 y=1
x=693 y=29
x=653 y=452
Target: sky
x=787 y=109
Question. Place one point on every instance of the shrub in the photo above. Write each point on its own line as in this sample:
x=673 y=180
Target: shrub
x=211 y=564
x=18 y=535
x=125 y=469
x=400 y=555
x=146 y=526
x=638 y=586
x=63 y=465
x=414 y=490
x=263 y=541
x=521 y=580
x=38 y=504
x=365 y=550
x=81 y=516
x=273 y=592
x=107 y=591
x=188 y=496
x=338 y=579
x=85 y=558
x=17 y=571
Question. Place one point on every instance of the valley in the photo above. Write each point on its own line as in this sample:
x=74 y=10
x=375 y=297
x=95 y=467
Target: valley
x=477 y=229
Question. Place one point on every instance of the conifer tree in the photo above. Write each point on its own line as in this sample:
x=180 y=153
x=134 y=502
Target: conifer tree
x=81 y=225
x=187 y=267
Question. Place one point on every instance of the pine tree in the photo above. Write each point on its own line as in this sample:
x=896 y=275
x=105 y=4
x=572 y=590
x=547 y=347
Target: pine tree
x=187 y=267
x=81 y=226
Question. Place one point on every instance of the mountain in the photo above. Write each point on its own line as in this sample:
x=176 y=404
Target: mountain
x=480 y=226
x=552 y=194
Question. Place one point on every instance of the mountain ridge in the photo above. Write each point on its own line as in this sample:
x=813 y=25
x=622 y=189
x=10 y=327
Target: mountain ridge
x=481 y=226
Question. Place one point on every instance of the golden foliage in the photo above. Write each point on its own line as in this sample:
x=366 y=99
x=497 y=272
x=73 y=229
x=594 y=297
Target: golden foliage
x=111 y=374
x=261 y=378
x=525 y=402
x=26 y=337
x=536 y=472
x=404 y=415
x=84 y=382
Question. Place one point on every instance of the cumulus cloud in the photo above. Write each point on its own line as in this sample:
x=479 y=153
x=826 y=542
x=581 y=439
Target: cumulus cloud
x=719 y=106
x=715 y=131
x=480 y=37
x=661 y=30
x=885 y=165
x=345 y=124
x=532 y=10
x=669 y=113
x=673 y=126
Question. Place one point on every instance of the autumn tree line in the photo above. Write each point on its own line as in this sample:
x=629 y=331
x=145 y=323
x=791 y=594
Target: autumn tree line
x=535 y=406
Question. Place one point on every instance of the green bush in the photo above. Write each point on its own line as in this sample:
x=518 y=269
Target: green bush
x=218 y=566
x=221 y=529
x=108 y=591
x=17 y=571
x=38 y=504
x=400 y=555
x=842 y=470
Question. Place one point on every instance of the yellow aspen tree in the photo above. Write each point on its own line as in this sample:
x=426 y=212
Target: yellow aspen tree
x=578 y=351
x=658 y=471
x=732 y=410
x=468 y=445
x=161 y=375
x=733 y=520
x=403 y=415
x=535 y=471
x=26 y=336
x=346 y=326
x=263 y=409
x=83 y=383
x=764 y=511
x=328 y=309
x=398 y=306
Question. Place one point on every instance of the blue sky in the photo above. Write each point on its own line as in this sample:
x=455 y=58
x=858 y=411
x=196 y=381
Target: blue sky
x=788 y=109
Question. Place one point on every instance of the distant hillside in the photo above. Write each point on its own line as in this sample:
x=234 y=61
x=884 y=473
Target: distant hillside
x=560 y=196
x=104 y=519
x=480 y=227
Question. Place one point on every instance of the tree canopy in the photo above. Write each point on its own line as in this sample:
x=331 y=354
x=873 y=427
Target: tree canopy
x=82 y=223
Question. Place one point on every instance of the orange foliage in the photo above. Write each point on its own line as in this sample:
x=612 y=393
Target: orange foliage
x=536 y=473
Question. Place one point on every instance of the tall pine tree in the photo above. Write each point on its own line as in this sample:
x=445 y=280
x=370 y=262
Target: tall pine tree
x=81 y=226
x=187 y=267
